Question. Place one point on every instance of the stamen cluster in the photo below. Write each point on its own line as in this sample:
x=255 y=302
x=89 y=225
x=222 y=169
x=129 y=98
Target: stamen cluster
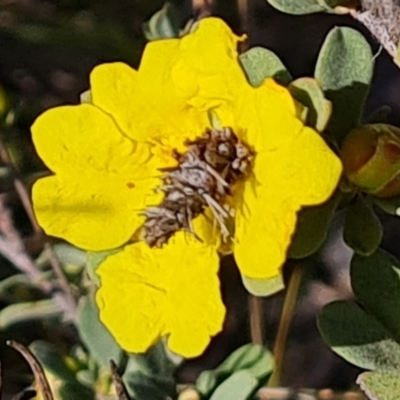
x=203 y=177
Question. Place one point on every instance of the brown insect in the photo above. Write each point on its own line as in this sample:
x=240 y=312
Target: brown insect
x=203 y=178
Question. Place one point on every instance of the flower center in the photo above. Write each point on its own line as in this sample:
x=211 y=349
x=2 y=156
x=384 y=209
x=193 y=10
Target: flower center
x=204 y=177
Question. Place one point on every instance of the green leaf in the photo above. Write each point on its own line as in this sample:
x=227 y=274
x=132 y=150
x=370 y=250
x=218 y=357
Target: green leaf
x=206 y=383
x=358 y=337
x=158 y=361
x=263 y=287
x=137 y=363
x=344 y=70
x=262 y=368
x=255 y=359
x=376 y=284
x=260 y=63
x=238 y=386
x=93 y=261
x=309 y=93
x=331 y=4
x=68 y=254
x=18 y=280
x=69 y=391
x=163 y=24
x=242 y=358
x=362 y=228
x=150 y=374
x=312 y=227
x=86 y=377
x=297 y=7
x=380 y=385
x=390 y=205
x=49 y=357
x=95 y=335
x=21 y=312
x=144 y=387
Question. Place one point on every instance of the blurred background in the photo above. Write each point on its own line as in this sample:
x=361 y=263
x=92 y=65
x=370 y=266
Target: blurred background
x=47 y=50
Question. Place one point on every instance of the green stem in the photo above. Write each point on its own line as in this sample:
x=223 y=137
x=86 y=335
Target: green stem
x=256 y=319
x=284 y=324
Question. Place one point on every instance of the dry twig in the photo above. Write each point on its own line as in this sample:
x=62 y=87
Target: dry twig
x=122 y=393
x=38 y=372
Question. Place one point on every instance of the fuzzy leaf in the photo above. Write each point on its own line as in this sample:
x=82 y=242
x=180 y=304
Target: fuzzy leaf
x=312 y=227
x=158 y=361
x=376 y=284
x=20 y=312
x=69 y=391
x=362 y=228
x=86 y=377
x=297 y=7
x=262 y=368
x=390 y=205
x=344 y=70
x=68 y=254
x=309 y=93
x=358 y=337
x=253 y=358
x=144 y=387
x=95 y=335
x=163 y=24
x=238 y=386
x=263 y=287
x=93 y=261
x=206 y=383
x=51 y=360
x=379 y=385
x=260 y=63
x=242 y=358
x=17 y=280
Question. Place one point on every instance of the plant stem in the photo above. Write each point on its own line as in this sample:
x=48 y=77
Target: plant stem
x=284 y=324
x=256 y=319
x=243 y=10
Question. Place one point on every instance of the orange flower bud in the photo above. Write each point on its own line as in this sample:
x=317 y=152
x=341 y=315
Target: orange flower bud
x=371 y=159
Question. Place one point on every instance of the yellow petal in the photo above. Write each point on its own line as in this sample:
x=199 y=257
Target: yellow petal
x=307 y=169
x=304 y=171
x=207 y=72
x=74 y=139
x=265 y=222
x=267 y=116
x=171 y=291
x=96 y=212
x=114 y=90
x=132 y=297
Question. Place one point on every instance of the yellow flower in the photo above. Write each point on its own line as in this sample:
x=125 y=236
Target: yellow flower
x=106 y=156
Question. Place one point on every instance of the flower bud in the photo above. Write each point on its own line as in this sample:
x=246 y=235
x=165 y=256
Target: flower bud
x=371 y=159
x=189 y=394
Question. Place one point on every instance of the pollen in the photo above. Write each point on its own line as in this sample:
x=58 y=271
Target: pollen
x=204 y=176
